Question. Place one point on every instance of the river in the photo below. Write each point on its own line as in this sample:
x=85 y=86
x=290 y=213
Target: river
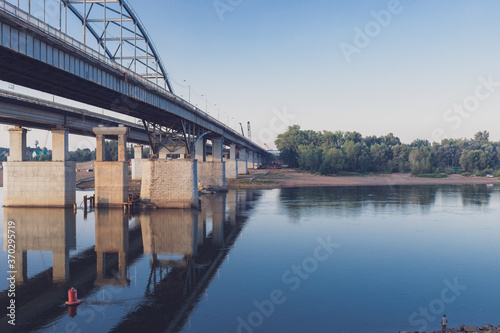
x=340 y=259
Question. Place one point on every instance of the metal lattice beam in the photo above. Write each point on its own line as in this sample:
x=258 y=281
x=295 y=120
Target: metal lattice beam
x=120 y=34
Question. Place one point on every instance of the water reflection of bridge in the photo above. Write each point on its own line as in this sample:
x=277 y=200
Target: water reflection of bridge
x=186 y=249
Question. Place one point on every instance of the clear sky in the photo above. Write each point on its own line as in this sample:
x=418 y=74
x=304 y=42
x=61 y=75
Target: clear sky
x=419 y=69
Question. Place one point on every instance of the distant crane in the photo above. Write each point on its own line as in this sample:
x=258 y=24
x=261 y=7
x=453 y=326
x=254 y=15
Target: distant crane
x=249 y=132
x=242 y=133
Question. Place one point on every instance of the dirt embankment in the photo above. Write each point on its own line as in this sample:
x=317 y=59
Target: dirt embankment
x=272 y=178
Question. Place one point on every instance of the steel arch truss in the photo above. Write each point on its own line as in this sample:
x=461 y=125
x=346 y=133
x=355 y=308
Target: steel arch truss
x=120 y=34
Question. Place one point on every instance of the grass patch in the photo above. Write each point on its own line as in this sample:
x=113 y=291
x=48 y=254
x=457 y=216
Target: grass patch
x=255 y=181
x=432 y=175
x=347 y=174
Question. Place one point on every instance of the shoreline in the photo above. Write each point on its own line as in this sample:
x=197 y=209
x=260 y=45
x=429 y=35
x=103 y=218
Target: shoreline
x=282 y=178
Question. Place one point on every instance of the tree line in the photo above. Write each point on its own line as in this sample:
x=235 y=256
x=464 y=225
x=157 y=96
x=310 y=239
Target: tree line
x=329 y=152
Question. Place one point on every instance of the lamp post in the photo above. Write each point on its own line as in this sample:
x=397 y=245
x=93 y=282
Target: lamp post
x=189 y=86
x=206 y=103
x=218 y=112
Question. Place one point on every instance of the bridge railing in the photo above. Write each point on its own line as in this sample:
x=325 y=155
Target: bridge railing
x=26 y=17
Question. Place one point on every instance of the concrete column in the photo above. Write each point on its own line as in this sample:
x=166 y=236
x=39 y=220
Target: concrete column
x=122 y=147
x=200 y=151
x=17 y=151
x=100 y=154
x=138 y=150
x=250 y=159
x=242 y=162
x=232 y=152
x=243 y=154
x=60 y=145
x=137 y=162
x=217 y=152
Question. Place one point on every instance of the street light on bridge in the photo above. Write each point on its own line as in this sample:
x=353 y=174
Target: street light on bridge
x=206 y=102
x=189 y=86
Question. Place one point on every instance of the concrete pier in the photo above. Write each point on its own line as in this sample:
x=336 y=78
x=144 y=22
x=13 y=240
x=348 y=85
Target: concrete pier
x=111 y=178
x=39 y=184
x=170 y=183
x=212 y=174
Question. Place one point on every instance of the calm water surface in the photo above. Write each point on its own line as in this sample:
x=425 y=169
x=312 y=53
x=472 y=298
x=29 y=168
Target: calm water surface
x=360 y=259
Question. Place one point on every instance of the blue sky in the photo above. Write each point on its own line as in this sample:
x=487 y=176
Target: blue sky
x=267 y=58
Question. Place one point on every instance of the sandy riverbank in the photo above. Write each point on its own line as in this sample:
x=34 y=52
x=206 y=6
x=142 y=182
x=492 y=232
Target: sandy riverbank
x=293 y=178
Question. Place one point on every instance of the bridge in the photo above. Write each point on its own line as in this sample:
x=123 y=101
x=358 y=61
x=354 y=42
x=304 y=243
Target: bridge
x=124 y=75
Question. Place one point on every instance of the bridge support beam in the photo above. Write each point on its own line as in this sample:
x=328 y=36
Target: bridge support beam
x=137 y=162
x=111 y=178
x=242 y=162
x=39 y=184
x=170 y=183
x=232 y=163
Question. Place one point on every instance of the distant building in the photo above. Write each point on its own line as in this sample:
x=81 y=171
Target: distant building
x=274 y=152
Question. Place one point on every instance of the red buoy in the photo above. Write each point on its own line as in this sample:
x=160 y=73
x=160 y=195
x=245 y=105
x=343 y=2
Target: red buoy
x=72 y=297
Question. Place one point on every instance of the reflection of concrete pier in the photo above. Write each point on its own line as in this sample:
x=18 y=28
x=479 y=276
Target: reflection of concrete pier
x=42 y=229
x=111 y=240
x=175 y=286
x=214 y=207
x=170 y=232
